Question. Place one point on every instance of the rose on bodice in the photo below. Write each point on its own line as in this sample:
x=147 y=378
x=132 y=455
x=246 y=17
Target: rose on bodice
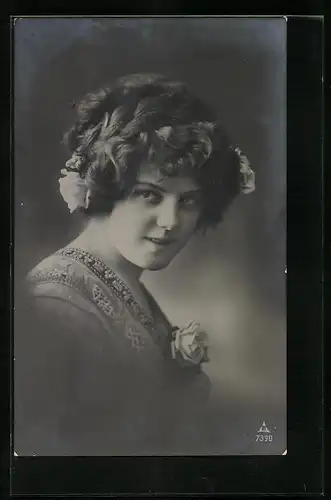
x=189 y=345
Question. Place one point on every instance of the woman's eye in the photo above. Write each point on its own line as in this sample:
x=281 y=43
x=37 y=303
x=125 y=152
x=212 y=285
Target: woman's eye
x=189 y=202
x=149 y=196
x=186 y=201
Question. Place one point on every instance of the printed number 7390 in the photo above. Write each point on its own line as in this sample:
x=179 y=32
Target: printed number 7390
x=264 y=438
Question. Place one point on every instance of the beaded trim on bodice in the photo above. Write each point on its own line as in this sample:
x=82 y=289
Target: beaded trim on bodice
x=110 y=279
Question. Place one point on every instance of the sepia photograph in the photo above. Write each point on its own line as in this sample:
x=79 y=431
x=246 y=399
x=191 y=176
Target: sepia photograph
x=150 y=236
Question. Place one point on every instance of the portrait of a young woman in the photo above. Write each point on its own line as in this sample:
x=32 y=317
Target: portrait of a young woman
x=149 y=165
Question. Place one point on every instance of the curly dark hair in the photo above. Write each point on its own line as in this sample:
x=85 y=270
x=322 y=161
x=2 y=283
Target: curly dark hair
x=150 y=118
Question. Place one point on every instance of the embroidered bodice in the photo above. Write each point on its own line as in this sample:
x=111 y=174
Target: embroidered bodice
x=98 y=288
x=94 y=373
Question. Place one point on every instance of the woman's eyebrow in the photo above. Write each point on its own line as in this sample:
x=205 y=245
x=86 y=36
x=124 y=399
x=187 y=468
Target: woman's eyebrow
x=191 y=192
x=150 y=185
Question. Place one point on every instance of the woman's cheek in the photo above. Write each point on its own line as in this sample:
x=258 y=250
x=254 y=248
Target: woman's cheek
x=189 y=221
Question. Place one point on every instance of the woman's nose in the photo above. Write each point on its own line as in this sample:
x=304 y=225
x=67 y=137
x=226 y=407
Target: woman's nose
x=167 y=215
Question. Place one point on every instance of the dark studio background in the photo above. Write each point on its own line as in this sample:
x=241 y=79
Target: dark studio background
x=231 y=280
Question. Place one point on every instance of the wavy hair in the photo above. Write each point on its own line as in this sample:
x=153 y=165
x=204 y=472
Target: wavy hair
x=150 y=118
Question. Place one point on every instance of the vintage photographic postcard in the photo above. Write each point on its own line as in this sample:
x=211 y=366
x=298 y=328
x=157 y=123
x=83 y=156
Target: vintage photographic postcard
x=150 y=235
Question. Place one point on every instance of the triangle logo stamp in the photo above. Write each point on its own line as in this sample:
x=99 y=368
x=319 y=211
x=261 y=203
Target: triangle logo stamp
x=264 y=428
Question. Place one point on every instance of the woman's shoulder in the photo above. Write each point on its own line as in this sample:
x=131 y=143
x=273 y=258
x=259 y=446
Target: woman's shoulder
x=55 y=298
x=58 y=277
x=53 y=268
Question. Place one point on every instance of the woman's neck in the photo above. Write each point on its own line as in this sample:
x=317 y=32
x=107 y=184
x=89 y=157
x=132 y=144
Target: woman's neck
x=89 y=240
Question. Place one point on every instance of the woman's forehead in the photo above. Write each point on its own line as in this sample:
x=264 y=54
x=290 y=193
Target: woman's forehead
x=150 y=174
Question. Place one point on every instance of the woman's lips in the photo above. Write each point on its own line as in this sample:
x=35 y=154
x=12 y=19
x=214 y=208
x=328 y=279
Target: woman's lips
x=160 y=241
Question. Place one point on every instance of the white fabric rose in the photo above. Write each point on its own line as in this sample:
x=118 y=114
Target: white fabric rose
x=247 y=183
x=190 y=344
x=73 y=190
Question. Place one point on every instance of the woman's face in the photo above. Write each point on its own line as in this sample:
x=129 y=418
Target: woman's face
x=154 y=222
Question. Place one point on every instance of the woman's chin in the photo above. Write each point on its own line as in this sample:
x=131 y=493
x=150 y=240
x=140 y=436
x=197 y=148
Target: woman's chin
x=152 y=261
x=156 y=264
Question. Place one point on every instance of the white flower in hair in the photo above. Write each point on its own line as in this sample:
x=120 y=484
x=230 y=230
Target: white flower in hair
x=247 y=182
x=73 y=188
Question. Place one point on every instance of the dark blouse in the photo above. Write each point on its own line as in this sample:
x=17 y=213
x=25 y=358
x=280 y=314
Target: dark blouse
x=93 y=372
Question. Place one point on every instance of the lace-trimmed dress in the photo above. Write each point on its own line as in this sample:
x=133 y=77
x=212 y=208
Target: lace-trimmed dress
x=93 y=371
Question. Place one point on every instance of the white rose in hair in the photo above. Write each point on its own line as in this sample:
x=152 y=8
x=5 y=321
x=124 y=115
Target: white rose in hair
x=247 y=182
x=190 y=344
x=73 y=190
